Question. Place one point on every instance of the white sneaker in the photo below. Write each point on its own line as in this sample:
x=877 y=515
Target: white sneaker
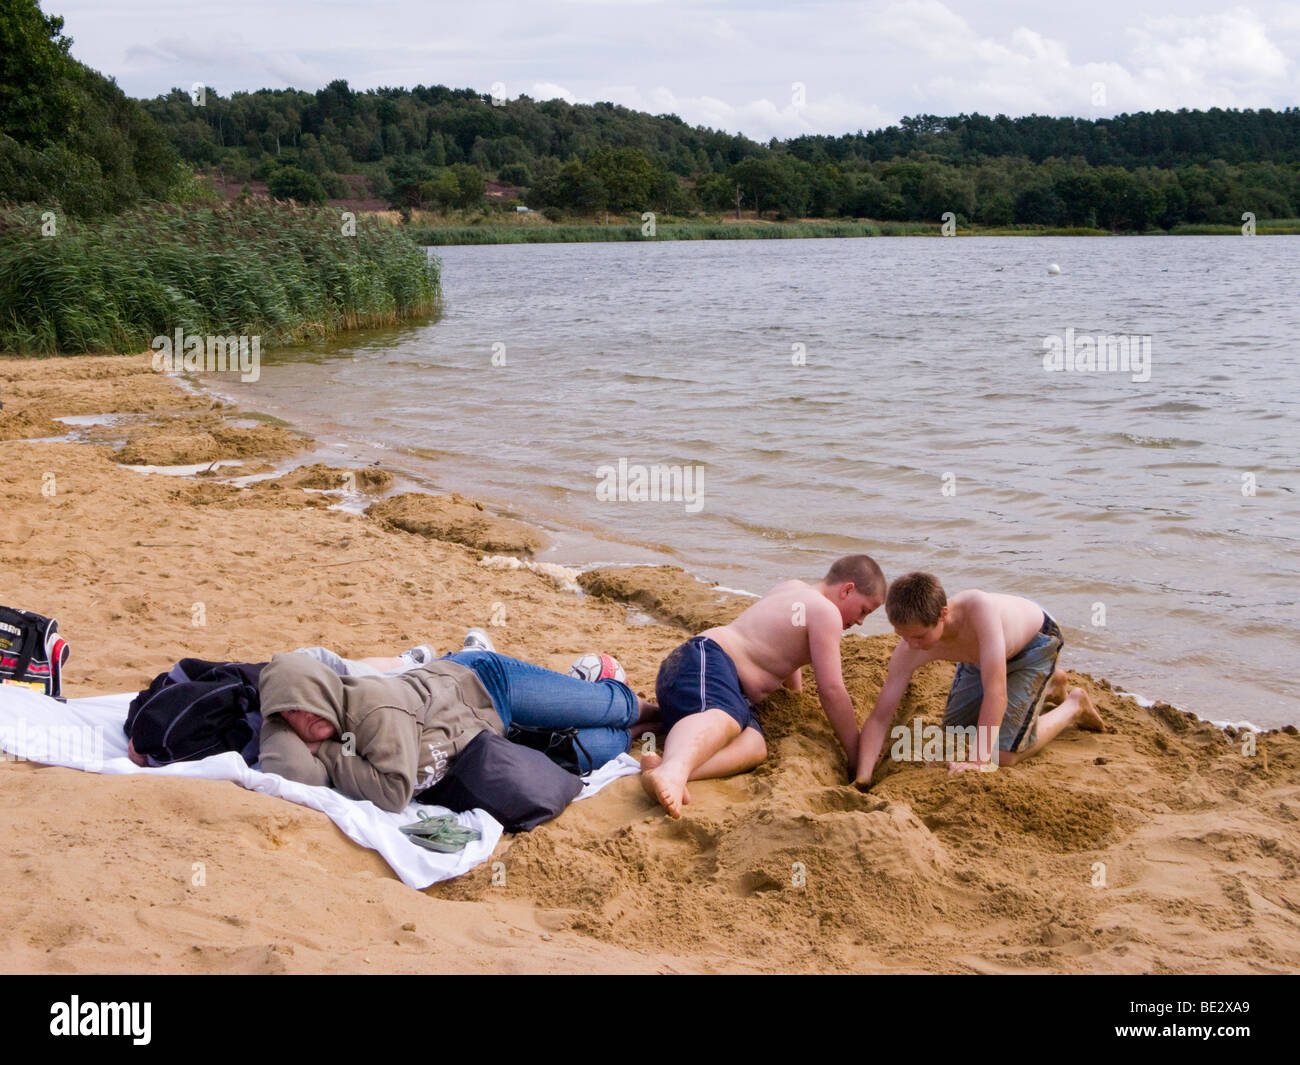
x=478 y=640
x=418 y=656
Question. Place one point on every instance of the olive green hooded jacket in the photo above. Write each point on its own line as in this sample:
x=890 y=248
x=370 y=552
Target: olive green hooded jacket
x=396 y=736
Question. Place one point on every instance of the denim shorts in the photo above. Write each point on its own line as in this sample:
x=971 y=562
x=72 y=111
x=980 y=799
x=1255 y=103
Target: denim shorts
x=699 y=675
x=1027 y=675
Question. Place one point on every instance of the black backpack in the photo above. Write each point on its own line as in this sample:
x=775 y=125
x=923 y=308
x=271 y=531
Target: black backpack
x=32 y=653
x=196 y=709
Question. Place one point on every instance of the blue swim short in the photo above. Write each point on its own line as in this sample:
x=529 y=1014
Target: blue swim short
x=1027 y=675
x=699 y=675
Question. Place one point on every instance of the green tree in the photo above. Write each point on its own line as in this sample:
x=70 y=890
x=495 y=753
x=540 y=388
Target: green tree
x=293 y=183
x=470 y=184
x=38 y=100
x=628 y=176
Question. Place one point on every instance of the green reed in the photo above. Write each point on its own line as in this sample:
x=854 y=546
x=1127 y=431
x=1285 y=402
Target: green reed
x=255 y=268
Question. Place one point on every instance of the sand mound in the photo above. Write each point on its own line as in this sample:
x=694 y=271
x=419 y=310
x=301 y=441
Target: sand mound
x=460 y=520
x=18 y=424
x=665 y=592
x=332 y=478
x=260 y=494
x=1005 y=806
x=206 y=438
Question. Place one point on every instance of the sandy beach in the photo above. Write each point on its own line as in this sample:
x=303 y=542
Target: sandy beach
x=1156 y=847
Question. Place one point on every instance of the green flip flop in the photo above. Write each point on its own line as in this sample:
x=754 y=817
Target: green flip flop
x=441 y=833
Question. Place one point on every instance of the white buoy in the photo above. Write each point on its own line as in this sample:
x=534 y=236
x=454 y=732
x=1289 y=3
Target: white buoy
x=1053 y=269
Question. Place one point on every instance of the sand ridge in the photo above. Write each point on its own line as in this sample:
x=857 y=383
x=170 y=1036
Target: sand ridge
x=1158 y=846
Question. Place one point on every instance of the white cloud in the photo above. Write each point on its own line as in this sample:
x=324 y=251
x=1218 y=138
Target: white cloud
x=1230 y=51
x=726 y=64
x=546 y=90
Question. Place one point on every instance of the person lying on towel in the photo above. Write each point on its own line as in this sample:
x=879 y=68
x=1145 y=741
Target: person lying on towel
x=387 y=738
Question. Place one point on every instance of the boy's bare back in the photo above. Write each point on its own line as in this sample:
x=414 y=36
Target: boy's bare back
x=976 y=617
x=769 y=642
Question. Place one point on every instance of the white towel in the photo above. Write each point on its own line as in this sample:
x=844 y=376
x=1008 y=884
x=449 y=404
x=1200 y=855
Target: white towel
x=88 y=734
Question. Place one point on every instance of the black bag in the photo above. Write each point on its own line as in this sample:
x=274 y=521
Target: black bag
x=560 y=745
x=196 y=709
x=518 y=786
x=32 y=653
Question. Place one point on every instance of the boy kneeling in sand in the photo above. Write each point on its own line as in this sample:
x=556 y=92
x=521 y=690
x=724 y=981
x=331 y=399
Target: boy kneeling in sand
x=708 y=687
x=1007 y=648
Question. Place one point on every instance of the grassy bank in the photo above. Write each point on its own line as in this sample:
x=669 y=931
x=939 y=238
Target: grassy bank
x=252 y=268
x=561 y=233
x=511 y=232
x=1265 y=227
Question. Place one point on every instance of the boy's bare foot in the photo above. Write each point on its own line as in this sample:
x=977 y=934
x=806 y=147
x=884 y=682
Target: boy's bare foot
x=665 y=789
x=1057 y=687
x=1087 y=717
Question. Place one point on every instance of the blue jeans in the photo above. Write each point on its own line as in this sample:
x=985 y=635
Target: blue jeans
x=533 y=697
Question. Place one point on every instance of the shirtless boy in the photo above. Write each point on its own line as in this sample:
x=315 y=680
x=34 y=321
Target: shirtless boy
x=1007 y=648
x=708 y=687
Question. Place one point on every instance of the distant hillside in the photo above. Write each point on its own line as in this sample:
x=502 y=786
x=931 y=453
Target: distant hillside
x=435 y=148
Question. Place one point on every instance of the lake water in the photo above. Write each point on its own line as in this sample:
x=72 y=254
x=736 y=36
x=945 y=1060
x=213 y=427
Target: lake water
x=881 y=395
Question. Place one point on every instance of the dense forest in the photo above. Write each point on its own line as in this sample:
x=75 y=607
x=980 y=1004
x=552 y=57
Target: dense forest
x=436 y=148
x=69 y=135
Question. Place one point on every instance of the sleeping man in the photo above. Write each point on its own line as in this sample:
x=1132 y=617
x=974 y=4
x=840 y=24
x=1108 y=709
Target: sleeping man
x=388 y=737
x=379 y=738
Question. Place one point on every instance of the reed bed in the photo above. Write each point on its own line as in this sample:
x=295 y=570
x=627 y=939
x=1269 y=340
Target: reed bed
x=254 y=268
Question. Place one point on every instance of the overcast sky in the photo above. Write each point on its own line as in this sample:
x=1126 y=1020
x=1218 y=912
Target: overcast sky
x=768 y=68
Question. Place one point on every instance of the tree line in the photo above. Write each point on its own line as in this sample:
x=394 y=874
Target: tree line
x=435 y=148
x=69 y=134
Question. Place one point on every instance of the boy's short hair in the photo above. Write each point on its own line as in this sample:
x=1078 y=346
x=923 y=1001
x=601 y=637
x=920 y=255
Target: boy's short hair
x=861 y=570
x=915 y=599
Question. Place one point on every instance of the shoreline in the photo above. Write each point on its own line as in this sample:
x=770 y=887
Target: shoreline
x=553 y=526
x=531 y=232
x=1197 y=838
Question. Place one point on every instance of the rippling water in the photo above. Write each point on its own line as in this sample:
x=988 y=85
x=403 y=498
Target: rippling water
x=921 y=427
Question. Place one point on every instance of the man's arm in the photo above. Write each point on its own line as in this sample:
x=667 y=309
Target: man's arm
x=794 y=682
x=824 y=631
x=902 y=664
x=383 y=761
x=283 y=753
x=993 y=680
